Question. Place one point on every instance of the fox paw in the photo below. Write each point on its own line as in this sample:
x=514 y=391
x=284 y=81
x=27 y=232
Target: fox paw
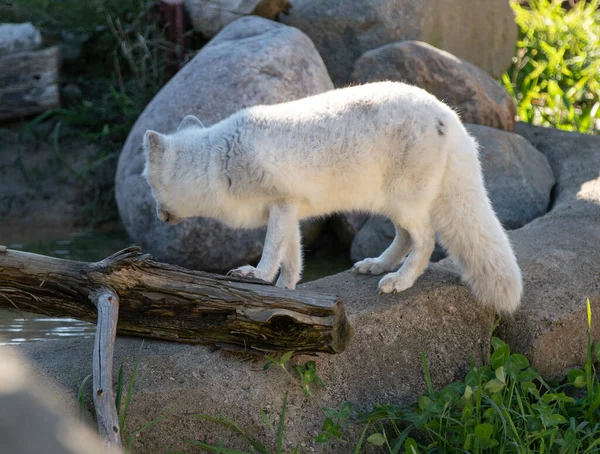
x=370 y=266
x=246 y=271
x=393 y=283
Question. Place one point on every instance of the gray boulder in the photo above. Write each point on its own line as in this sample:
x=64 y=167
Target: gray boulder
x=558 y=254
x=251 y=61
x=482 y=32
x=211 y=16
x=474 y=94
x=518 y=179
x=18 y=38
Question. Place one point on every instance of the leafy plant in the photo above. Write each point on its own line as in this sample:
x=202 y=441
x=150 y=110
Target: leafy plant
x=555 y=76
x=307 y=373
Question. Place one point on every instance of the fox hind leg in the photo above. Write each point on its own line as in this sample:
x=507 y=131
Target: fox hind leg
x=423 y=242
x=390 y=258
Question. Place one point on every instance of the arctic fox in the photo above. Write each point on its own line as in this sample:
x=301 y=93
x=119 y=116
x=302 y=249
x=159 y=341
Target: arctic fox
x=385 y=148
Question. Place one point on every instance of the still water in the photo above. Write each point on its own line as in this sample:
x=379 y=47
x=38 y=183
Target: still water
x=16 y=328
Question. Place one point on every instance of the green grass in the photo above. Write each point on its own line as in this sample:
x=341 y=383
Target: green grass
x=555 y=75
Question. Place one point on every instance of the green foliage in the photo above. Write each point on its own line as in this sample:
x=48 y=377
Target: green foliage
x=505 y=407
x=307 y=373
x=555 y=76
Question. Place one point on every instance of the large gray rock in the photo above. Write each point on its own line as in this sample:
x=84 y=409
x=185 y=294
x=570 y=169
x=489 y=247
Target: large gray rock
x=482 y=32
x=211 y=16
x=558 y=254
x=474 y=94
x=252 y=61
x=18 y=38
x=518 y=179
x=382 y=364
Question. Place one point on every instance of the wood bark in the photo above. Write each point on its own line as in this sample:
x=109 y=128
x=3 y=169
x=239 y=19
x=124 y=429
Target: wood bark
x=29 y=83
x=168 y=302
x=107 y=304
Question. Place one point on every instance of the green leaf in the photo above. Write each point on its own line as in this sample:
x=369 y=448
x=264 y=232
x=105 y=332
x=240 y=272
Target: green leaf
x=286 y=357
x=424 y=402
x=484 y=430
x=577 y=378
x=497 y=343
x=553 y=420
x=500 y=375
x=346 y=410
x=468 y=392
x=410 y=446
x=308 y=376
x=519 y=361
x=528 y=374
x=376 y=439
x=500 y=356
x=494 y=385
x=323 y=437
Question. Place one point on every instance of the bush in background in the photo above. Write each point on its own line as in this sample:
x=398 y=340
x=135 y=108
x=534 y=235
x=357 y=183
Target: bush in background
x=555 y=76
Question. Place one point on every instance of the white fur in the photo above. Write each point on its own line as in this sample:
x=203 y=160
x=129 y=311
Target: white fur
x=385 y=148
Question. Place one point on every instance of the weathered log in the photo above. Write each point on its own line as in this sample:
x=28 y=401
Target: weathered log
x=29 y=83
x=107 y=303
x=168 y=302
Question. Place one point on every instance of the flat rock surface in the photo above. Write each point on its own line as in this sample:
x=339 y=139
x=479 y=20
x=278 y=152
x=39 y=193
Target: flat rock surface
x=251 y=61
x=474 y=94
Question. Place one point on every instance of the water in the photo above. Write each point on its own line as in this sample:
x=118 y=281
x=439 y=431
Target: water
x=321 y=259
x=16 y=328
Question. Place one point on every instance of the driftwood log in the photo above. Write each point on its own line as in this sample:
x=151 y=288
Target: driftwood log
x=29 y=83
x=168 y=302
x=107 y=303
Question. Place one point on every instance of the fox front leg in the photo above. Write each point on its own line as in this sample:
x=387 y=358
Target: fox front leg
x=283 y=219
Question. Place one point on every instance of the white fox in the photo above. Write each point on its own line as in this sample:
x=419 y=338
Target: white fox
x=384 y=148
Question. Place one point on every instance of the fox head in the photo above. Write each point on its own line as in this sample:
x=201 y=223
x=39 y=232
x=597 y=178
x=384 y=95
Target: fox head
x=161 y=170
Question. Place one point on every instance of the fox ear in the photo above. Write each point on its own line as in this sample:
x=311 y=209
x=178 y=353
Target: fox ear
x=190 y=121
x=154 y=144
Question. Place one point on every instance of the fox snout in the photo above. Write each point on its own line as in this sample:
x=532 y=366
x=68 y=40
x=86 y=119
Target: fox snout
x=167 y=217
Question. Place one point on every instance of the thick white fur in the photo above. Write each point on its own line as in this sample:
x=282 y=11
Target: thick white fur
x=385 y=148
